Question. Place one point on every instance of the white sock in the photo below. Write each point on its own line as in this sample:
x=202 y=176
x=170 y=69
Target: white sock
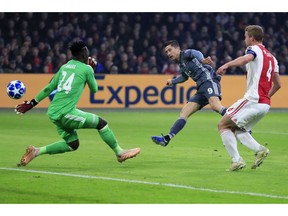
x=246 y=139
x=230 y=143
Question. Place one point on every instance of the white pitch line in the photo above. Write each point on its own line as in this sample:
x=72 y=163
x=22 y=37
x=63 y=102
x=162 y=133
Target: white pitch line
x=148 y=183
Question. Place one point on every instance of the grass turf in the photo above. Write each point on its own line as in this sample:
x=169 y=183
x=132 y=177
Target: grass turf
x=190 y=170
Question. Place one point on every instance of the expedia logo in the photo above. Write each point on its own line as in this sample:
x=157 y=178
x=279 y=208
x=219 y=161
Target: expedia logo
x=147 y=95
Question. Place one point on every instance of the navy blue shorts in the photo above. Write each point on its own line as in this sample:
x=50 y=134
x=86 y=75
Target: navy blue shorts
x=205 y=91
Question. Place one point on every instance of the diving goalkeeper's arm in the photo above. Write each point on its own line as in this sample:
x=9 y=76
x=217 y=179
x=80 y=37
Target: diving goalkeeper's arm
x=27 y=105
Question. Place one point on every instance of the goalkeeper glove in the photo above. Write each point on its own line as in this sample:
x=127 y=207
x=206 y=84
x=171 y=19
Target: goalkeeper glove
x=92 y=62
x=25 y=106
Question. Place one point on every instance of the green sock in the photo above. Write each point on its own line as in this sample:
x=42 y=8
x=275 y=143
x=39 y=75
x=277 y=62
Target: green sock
x=108 y=137
x=55 y=148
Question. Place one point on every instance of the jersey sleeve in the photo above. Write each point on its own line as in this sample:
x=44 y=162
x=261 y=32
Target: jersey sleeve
x=250 y=50
x=47 y=89
x=276 y=70
x=180 y=79
x=91 y=81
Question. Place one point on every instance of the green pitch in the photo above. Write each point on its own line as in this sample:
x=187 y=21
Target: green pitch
x=190 y=170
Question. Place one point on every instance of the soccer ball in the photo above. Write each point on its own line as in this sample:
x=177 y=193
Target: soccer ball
x=16 y=89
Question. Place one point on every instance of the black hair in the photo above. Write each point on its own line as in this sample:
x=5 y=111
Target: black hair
x=76 y=47
x=173 y=43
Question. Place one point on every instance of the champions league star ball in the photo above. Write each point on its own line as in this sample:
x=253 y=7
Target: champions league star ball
x=16 y=89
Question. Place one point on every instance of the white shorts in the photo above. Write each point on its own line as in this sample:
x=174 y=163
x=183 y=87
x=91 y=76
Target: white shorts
x=246 y=113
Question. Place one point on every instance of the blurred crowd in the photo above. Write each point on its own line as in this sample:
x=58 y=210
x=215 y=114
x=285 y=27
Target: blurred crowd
x=130 y=43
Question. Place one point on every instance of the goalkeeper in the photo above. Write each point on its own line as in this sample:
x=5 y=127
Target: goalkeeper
x=70 y=81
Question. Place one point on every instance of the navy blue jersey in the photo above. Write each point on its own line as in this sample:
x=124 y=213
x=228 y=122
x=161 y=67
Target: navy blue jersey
x=191 y=66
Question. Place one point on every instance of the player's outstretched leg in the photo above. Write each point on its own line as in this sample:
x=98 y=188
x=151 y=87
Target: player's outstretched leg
x=175 y=129
x=31 y=153
x=126 y=154
x=109 y=138
x=260 y=156
x=160 y=140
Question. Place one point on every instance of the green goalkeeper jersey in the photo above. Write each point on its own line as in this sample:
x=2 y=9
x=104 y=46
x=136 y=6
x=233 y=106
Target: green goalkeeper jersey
x=70 y=81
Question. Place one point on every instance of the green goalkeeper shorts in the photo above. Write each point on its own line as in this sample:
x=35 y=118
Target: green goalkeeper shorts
x=68 y=124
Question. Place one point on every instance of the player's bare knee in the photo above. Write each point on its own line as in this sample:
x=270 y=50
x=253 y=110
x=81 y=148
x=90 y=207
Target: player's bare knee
x=101 y=124
x=183 y=116
x=74 y=144
x=215 y=104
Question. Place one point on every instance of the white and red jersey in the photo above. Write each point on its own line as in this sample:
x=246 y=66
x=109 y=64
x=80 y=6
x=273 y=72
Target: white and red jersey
x=260 y=73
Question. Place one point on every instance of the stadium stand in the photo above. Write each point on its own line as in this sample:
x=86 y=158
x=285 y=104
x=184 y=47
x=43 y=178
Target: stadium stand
x=130 y=43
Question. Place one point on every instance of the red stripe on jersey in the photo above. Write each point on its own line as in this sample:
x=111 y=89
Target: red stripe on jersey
x=237 y=108
x=267 y=73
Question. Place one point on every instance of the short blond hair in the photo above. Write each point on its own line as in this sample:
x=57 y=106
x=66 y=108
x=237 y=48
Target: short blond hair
x=256 y=31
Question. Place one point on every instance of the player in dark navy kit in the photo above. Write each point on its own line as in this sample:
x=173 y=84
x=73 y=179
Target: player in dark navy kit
x=192 y=64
